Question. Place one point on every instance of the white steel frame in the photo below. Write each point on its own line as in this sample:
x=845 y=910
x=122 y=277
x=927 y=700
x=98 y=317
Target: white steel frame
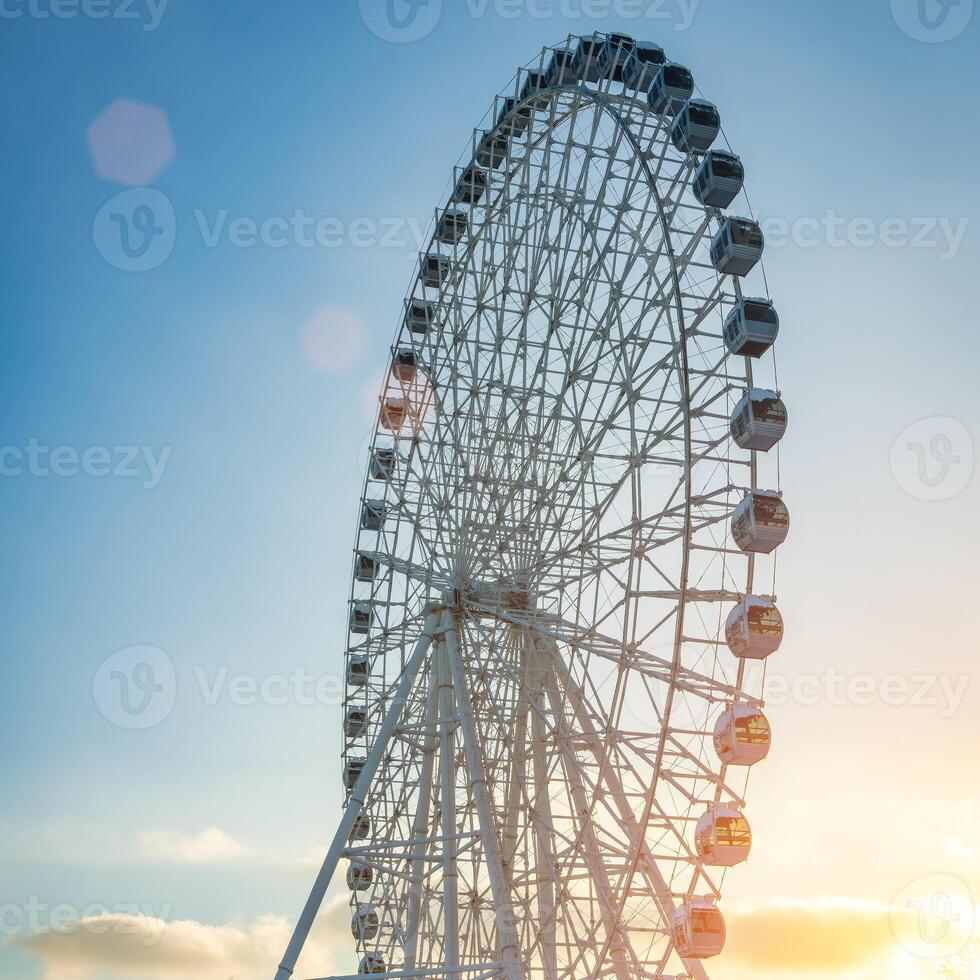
x=555 y=566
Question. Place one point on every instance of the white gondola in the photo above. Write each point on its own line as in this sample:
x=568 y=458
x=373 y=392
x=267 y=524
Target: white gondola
x=420 y=314
x=372 y=963
x=760 y=523
x=511 y=120
x=360 y=828
x=352 y=772
x=395 y=412
x=451 y=227
x=586 y=62
x=435 y=271
x=613 y=55
x=754 y=628
x=670 y=89
x=642 y=65
x=534 y=82
x=365 y=923
x=359 y=876
x=470 y=186
x=759 y=420
x=355 y=721
x=361 y=617
x=737 y=246
x=491 y=151
x=382 y=465
x=719 y=179
x=365 y=568
x=405 y=365
x=698 y=930
x=751 y=328
x=742 y=735
x=696 y=127
x=723 y=837
x=373 y=515
x=561 y=68
x=358 y=670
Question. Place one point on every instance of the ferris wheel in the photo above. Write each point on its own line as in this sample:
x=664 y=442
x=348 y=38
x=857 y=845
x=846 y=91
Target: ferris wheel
x=563 y=592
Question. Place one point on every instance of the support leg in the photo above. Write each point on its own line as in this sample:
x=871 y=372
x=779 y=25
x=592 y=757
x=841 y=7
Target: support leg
x=420 y=826
x=359 y=795
x=544 y=839
x=477 y=778
x=447 y=799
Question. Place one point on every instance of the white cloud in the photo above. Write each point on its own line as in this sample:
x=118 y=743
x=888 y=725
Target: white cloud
x=211 y=846
x=313 y=858
x=839 y=938
x=116 y=946
x=784 y=939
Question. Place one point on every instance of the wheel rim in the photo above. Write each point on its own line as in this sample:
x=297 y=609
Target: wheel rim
x=563 y=481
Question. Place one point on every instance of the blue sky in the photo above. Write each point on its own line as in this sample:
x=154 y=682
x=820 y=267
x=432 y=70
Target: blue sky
x=237 y=558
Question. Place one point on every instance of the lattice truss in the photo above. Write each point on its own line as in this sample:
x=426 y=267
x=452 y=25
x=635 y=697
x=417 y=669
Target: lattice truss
x=545 y=566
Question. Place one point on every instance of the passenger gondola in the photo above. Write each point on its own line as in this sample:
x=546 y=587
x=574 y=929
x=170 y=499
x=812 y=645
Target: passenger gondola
x=670 y=89
x=358 y=670
x=760 y=523
x=698 y=930
x=759 y=420
x=696 y=127
x=642 y=65
x=751 y=327
x=737 y=246
x=361 y=617
x=613 y=55
x=719 y=179
x=742 y=735
x=754 y=628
